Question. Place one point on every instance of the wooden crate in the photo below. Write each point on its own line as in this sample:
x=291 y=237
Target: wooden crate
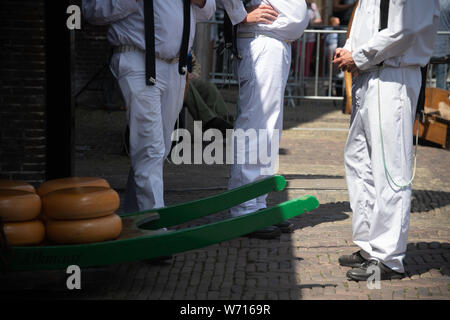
x=435 y=129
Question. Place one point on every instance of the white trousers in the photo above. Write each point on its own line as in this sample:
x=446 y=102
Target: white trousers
x=380 y=209
x=152 y=112
x=263 y=73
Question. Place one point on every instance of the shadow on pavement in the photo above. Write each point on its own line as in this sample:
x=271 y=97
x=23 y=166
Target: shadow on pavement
x=327 y=212
x=428 y=200
x=310 y=176
x=421 y=257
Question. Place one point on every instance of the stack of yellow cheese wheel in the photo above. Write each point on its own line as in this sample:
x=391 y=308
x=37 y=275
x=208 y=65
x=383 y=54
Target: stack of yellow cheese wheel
x=67 y=183
x=80 y=210
x=19 y=208
x=71 y=182
x=16 y=185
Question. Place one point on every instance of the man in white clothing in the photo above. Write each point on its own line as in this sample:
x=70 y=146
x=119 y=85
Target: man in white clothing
x=265 y=30
x=388 y=43
x=152 y=104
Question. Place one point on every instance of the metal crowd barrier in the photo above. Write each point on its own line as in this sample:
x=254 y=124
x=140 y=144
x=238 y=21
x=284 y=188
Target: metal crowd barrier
x=322 y=82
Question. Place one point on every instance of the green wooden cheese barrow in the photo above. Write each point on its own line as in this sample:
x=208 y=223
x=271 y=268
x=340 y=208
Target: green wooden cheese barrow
x=142 y=236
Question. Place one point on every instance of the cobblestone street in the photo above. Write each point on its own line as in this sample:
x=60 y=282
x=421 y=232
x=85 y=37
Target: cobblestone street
x=300 y=265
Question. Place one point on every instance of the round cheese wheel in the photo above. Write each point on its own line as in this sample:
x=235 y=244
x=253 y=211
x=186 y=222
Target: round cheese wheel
x=24 y=233
x=80 y=203
x=85 y=230
x=71 y=182
x=19 y=205
x=16 y=185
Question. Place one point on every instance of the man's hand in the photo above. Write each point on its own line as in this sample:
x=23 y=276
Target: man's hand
x=344 y=60
x=261 y=14
x=200 y=3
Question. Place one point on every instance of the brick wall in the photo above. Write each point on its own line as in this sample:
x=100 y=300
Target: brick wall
x=91 y=52
x=22 y=91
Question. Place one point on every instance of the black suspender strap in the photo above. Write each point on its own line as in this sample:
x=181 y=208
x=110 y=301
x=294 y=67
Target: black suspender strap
x=421 y=101
x=149 y=21
x=150 y=56
x=230 y=35
x=186 y=35
x=384 y=14
x=227 y=31
x=236 y=52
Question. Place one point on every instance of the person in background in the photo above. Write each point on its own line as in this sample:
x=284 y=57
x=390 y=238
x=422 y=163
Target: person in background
x=331 y=43
x=204 y=101
x=310 y=38
x=442 y=46
x=343 y=9
x=331 y=40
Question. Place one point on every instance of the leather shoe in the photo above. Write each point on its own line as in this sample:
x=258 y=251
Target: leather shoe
x=355 y=260
x=270 y=232
x=285 y=226
x=365 y=271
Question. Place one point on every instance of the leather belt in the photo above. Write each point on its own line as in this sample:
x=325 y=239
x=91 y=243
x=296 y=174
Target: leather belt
x=257 y=34
x=133 y=48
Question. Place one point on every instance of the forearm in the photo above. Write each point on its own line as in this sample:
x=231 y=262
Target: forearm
x=103 y=12
x=235 y=10
x=407 y=19
x=204 y=9
x=199 y=3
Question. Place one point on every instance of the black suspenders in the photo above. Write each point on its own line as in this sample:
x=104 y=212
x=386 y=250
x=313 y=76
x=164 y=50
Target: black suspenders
x=149 y=23
x=150 y=56
x=186 y=34
x=230 y=33
x=384 y=14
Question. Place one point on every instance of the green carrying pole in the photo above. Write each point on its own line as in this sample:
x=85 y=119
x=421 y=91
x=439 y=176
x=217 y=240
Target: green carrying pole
x=142 y=237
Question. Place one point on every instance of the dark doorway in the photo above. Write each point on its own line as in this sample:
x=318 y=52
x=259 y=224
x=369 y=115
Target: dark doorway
x=59 y=108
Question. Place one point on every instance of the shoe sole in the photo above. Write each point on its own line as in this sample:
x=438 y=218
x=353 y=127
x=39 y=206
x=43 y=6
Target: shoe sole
x=286 y=229
x=352 y=265
x=362 y=278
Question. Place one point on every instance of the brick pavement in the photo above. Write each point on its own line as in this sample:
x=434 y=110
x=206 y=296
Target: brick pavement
x=298 y=266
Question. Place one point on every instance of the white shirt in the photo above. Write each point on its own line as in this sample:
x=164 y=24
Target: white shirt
x=127 y=22
x=291 y=22
x=407 y=41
